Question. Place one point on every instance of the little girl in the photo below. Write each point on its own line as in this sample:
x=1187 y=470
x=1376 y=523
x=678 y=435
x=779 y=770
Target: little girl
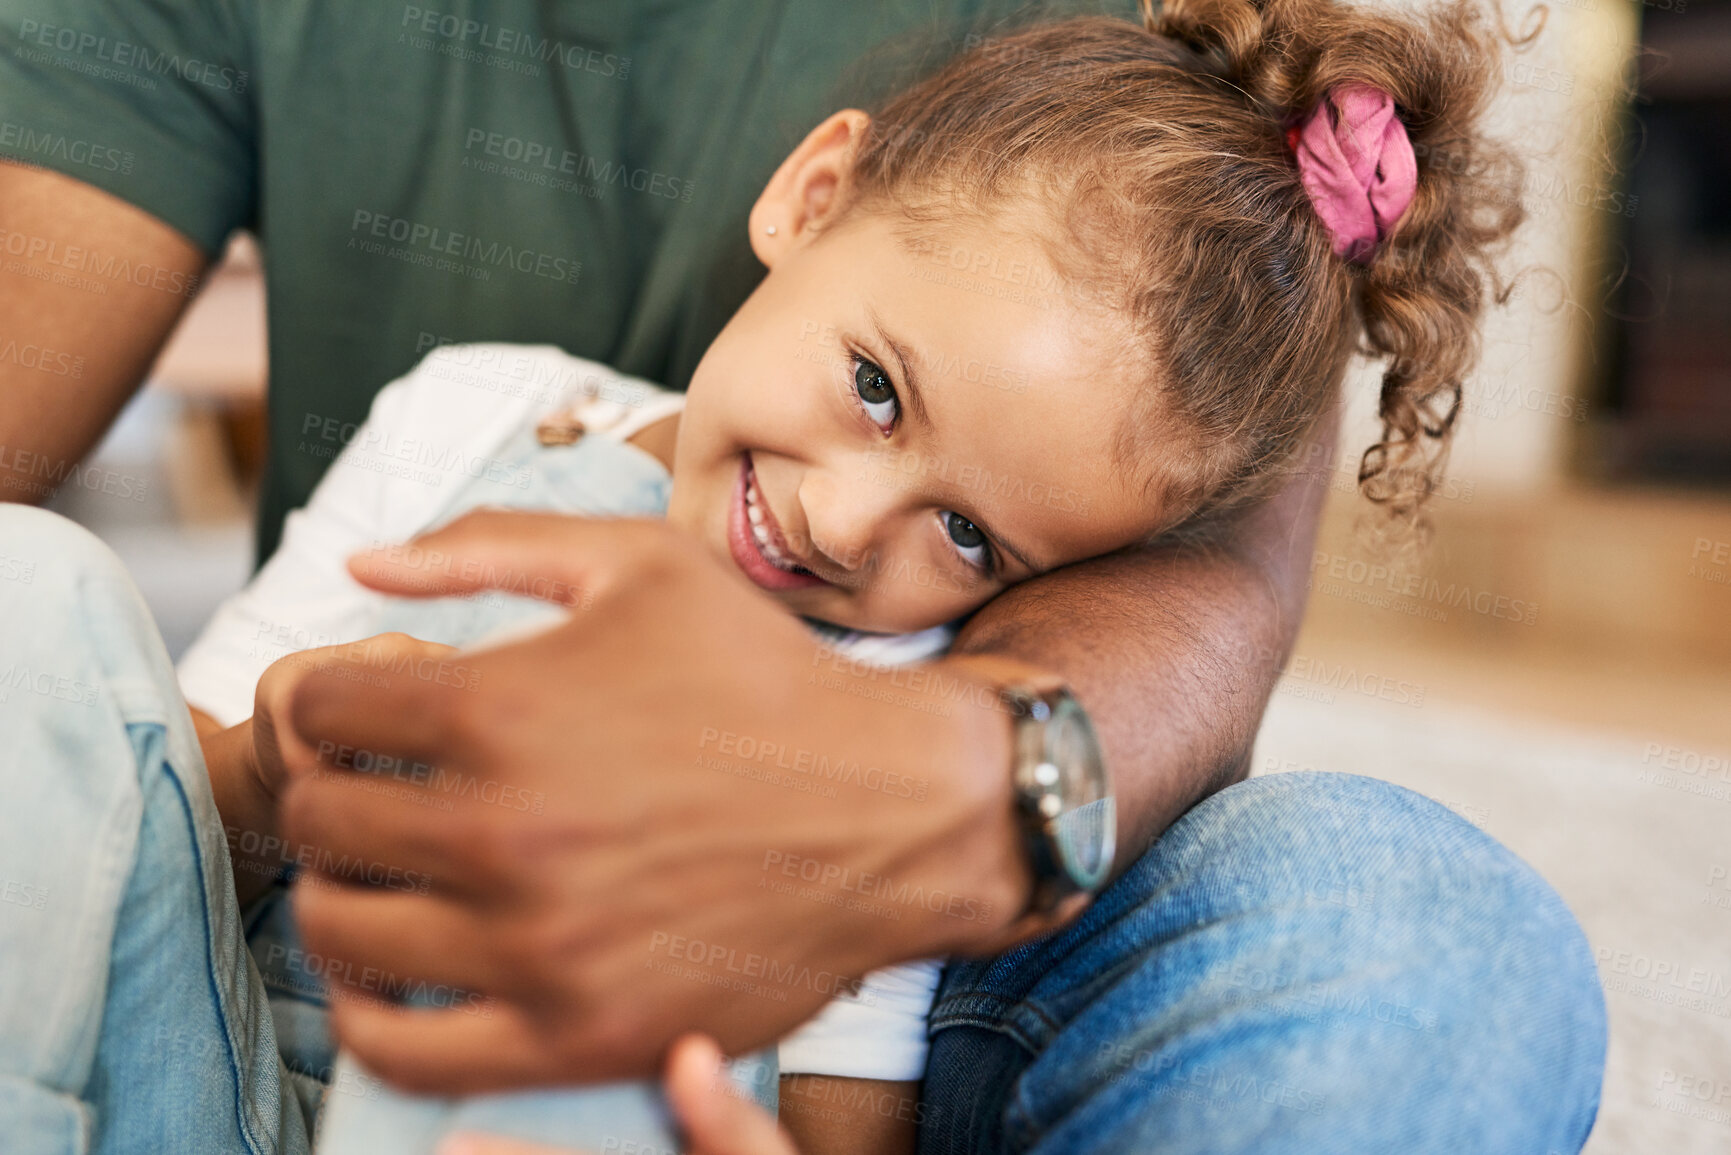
x=1085 y=286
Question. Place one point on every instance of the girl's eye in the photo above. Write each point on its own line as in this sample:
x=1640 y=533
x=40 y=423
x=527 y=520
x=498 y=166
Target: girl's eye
x=876 y=393
x=969 y=540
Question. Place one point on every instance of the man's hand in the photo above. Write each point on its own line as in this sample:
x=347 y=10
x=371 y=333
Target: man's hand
x=715 y=1120
x=674 y=811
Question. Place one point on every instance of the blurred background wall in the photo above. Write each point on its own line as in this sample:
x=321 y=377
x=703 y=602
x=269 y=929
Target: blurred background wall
x=1593 y=459
x=1556 y=666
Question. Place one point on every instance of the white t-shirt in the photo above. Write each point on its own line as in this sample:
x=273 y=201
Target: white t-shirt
x=469 y=401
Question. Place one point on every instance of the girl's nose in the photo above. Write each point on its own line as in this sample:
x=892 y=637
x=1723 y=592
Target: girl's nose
x=845 y=516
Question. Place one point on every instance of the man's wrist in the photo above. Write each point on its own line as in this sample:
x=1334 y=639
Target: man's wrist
x=991 y=857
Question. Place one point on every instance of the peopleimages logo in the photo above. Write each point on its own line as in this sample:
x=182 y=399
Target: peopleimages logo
x=124 y=54
x=42 y=476
x=730 y=962
x=28 y=355
x=17 y=678
x=513 y=373
x=52 y=252
x=29 y=143
x=556 y=160
x=1665 y=973
x=381 y=450
x=748 y=749
x=428 y=245
x=1316 y=680
x=831 y=876
x=1386 y=586
x=459 y=32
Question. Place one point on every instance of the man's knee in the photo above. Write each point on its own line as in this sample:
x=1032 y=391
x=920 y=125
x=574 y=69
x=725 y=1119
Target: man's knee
x=1334 y=881
x=1382 y=863
x=1359 y=937
x=68 y=607
x=1380 y=909
x=1338 y=839
x=44 y=553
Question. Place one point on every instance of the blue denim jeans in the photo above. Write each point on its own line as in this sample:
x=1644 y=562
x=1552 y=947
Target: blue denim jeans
x=131 y=1019
x=1302 y=963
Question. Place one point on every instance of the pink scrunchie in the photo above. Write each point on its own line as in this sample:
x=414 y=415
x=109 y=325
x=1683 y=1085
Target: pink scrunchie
x=1357 y=164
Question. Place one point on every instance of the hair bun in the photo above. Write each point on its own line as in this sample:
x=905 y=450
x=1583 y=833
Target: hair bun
x=1356 y=162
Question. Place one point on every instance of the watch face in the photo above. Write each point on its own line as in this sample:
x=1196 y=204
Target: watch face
x=1086 y=829
x=1085 y=836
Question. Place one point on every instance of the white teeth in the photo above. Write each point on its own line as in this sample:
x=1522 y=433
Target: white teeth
x=760 y=531
x=767 y=544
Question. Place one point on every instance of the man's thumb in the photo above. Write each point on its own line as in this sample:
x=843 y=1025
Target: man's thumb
x=715 y=1119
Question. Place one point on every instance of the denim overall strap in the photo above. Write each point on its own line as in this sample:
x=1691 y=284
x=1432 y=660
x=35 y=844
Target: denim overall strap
x=597 y=476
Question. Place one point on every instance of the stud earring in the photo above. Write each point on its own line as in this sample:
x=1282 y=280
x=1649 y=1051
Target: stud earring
x=770 y=229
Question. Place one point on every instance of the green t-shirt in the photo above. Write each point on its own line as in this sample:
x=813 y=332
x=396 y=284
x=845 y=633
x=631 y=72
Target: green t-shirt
x=576 y=173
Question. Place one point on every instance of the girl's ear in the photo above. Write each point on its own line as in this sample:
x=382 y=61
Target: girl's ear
x=806 y=192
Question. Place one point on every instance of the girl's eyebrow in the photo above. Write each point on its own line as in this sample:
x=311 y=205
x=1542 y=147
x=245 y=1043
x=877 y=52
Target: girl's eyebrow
x=905 y=362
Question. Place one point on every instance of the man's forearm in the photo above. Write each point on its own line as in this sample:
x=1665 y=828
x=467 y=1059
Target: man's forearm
x=1174 y=651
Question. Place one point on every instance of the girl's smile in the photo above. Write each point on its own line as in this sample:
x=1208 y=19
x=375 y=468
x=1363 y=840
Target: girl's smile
x=756 y=542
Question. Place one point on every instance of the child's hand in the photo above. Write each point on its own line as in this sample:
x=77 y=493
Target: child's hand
x=715 y=1120
x=272 y=736
x=245 y=762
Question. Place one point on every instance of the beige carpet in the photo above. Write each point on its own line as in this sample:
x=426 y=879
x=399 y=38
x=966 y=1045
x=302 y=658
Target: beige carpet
x=1634 y=832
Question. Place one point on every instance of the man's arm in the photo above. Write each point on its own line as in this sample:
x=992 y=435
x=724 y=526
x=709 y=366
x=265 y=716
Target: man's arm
x=1173 y=650
x=84 y=339
x=661 y=815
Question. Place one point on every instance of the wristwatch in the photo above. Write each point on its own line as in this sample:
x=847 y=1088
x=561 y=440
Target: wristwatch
x=1063 y=794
